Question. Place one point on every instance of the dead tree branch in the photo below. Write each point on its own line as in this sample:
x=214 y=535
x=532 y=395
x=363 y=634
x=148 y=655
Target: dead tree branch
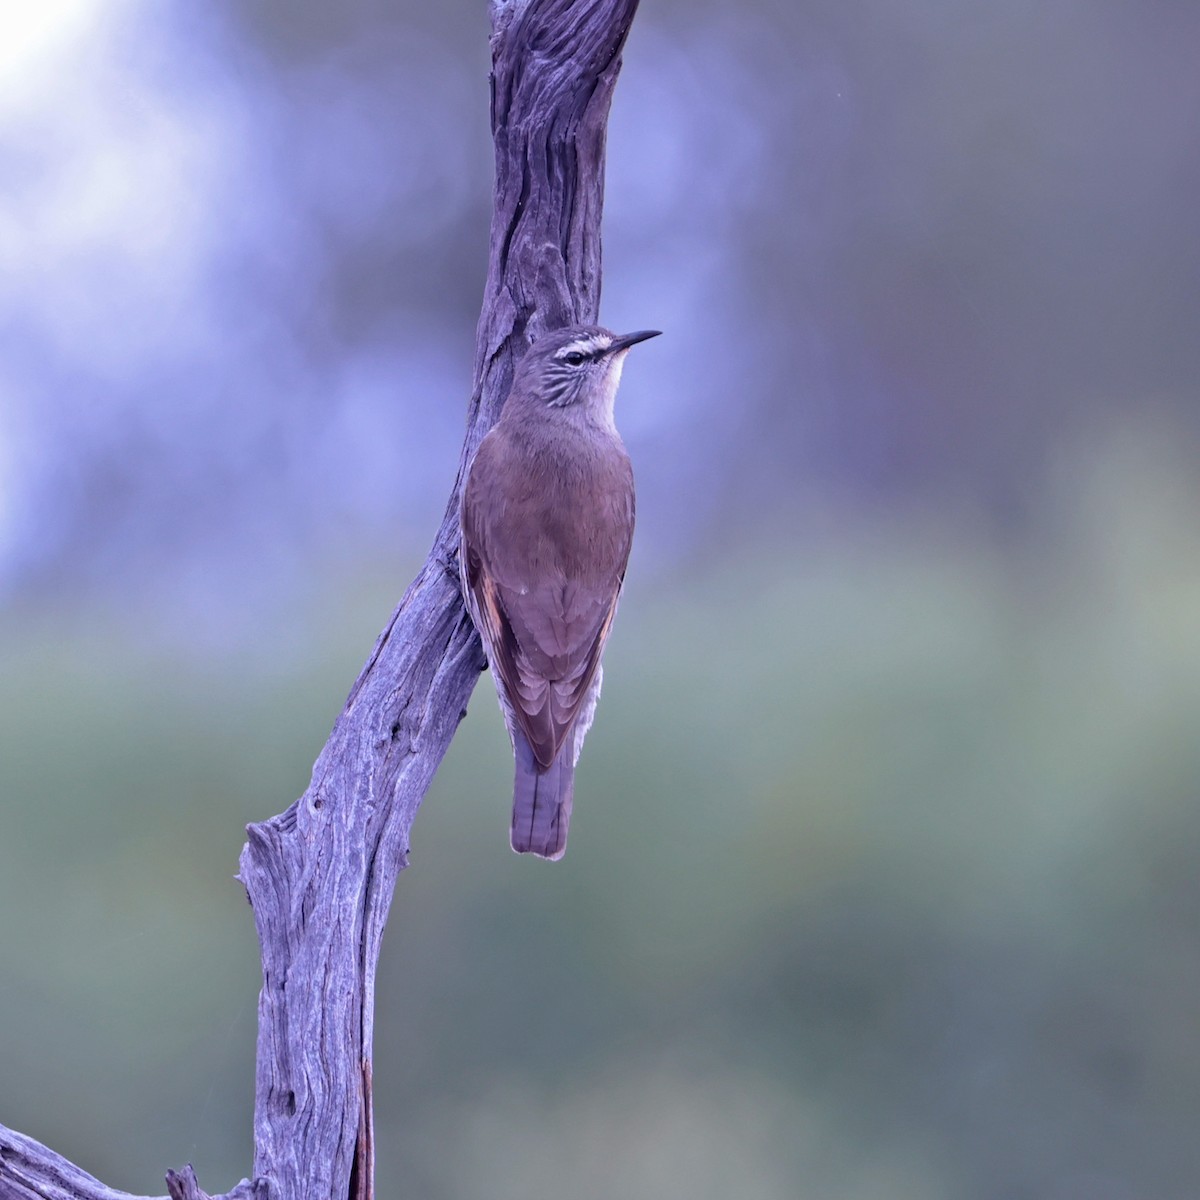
x=320 y=876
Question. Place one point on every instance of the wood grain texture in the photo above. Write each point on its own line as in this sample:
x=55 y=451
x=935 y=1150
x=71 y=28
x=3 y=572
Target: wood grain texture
x=320 y=876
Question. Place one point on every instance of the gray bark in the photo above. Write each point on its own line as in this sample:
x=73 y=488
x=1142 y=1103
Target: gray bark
x=320 y=876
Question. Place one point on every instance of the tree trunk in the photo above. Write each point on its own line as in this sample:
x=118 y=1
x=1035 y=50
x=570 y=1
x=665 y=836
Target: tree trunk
x=320 y=876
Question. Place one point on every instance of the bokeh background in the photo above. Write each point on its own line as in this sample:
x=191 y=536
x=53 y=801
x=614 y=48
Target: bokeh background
x=883 y=878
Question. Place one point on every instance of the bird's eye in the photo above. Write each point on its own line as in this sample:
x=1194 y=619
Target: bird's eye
x=574 y=358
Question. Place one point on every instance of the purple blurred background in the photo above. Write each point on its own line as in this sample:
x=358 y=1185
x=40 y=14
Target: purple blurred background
x=904 y=693
x=902 y=256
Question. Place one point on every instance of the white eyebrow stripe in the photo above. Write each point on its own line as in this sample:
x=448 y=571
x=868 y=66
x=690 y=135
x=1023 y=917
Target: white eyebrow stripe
x=587 y=346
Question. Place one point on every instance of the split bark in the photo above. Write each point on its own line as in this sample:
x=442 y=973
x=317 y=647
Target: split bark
x=320 y=876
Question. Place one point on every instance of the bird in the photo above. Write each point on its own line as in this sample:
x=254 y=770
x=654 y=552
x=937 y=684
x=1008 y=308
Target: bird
x=546 y=526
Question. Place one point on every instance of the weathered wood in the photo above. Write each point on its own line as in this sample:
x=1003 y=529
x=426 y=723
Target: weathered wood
x=320 y=876
x=31 y=1171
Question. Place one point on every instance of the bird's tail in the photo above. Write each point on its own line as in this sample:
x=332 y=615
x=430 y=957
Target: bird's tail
x=541 y=801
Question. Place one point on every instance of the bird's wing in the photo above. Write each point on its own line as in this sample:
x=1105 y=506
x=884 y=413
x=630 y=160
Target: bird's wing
x=559 y=635
x=544 y=633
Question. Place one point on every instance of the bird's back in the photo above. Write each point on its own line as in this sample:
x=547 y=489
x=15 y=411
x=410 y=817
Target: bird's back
x=553 y=506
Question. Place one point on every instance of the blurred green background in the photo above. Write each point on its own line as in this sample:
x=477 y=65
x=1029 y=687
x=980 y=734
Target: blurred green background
x=882 y=879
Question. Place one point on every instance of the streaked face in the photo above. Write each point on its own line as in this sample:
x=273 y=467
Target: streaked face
x=577 y=368
x=580 y=365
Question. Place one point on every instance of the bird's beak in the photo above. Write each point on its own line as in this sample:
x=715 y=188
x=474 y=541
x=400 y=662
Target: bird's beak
x=631 y=339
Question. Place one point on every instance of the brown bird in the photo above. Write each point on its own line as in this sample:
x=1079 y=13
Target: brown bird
x=547 y=523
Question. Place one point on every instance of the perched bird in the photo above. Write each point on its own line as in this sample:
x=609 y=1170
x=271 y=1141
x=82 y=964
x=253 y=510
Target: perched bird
x=547 y=523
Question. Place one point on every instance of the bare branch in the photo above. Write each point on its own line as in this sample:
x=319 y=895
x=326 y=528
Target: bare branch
x=320 y=876
x=31 y=1171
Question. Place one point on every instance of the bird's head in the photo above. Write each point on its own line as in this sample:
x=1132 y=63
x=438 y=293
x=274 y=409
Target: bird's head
x=578 y=366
